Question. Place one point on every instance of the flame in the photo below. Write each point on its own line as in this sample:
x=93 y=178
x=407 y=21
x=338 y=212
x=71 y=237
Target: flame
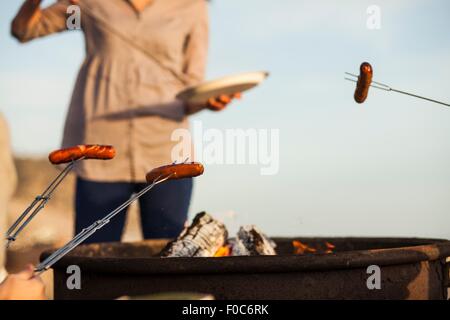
x=330 y=246
x=302 y=248
x=223 y=251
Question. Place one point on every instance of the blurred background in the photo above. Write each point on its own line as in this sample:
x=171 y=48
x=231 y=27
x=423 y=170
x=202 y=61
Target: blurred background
x=376 y=169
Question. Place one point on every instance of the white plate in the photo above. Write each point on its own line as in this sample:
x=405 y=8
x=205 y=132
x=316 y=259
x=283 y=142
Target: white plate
x=226 y=85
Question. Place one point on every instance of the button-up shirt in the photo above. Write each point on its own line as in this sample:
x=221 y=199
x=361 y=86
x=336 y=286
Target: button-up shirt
x=125 y=94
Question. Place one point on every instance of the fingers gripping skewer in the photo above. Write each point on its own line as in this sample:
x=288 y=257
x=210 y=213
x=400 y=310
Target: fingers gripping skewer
x=70 y=156
x=154 y=177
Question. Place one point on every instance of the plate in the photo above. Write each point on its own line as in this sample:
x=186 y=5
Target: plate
x=227 y=85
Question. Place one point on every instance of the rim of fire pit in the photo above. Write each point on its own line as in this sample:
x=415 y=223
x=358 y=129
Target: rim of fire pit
x=416 y=250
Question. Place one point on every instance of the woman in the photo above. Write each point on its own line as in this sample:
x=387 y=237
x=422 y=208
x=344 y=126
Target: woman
x=139 y=55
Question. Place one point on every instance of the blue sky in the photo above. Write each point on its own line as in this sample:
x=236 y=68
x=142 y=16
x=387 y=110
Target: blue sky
x=380 y=168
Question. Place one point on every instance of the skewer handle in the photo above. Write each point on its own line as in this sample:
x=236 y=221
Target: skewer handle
x=87 y=232
x=420 y=97
x=40 y=201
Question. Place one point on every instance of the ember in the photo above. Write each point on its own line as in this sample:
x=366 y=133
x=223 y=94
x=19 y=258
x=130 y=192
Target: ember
x=303 y=248
x=224 y=251
x=330 y=247
x=208 y=237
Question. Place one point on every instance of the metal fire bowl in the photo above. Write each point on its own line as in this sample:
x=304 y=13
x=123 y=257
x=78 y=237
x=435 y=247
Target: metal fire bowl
x=409 y=269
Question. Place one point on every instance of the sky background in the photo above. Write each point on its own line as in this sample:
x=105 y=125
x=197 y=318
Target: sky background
x=376 y=169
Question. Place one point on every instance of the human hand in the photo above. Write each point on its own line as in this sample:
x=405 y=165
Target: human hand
x=221 y=102
x=214 y=104
x=23 y=286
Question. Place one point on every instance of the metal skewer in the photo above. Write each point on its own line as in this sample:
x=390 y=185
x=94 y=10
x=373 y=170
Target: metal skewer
x=87 y=232
x=385 y=87
x=38 y=204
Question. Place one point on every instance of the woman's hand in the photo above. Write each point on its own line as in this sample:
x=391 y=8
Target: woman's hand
x=221 y=102
x=214 y=104
x=28 y=13
x=23 y=286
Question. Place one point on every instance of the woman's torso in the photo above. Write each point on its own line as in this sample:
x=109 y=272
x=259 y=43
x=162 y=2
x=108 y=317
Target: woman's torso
x=119 y=77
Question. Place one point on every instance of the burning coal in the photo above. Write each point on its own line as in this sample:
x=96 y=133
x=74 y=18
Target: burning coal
x=303 y=248
x=208 y=237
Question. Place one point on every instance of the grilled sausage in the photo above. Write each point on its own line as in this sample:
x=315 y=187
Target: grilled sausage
x=364 y=81
x=176 y=171
x=99 y=152
x=66 y=155
x=80 y=151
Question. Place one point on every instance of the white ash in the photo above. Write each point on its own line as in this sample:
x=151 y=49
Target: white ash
x=202 y=238
x=250 y=241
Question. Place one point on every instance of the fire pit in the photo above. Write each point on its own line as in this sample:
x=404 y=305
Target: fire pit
x=410 y=269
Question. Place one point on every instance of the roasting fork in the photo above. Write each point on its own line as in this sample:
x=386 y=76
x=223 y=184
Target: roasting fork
x=385 y=87
x=97 y=225
x=37 y=205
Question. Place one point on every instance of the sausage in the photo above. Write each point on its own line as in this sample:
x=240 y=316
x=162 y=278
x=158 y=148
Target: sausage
x=99 y=152
x=66 y=155
x=364 y=81
x=82 y=151
x=176 y=171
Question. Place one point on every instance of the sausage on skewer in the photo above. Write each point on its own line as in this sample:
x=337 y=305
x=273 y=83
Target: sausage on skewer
x=87 y=151
x=364 y=82
x=176 y=171
x=68 y=155
x=99 y=152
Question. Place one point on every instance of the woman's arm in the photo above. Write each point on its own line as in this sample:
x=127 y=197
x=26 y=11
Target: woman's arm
x=31 y=22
